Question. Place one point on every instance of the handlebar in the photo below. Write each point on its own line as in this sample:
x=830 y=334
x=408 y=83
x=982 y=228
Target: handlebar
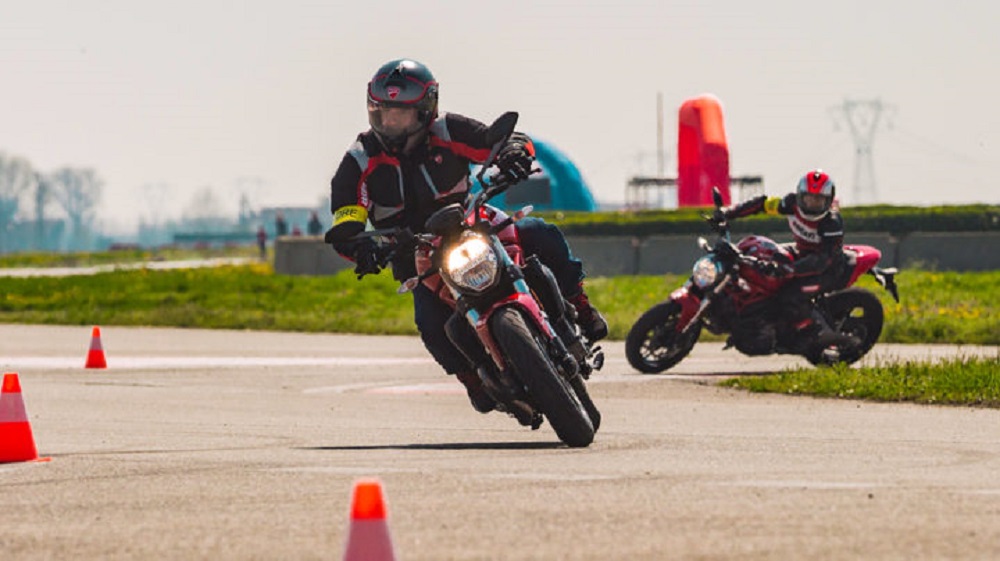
x=497 y=185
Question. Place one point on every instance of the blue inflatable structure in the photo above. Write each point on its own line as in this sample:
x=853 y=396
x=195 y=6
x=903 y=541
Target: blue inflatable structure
x=560 y=186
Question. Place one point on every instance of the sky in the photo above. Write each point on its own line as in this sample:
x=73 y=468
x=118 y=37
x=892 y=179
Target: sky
x=261 y=97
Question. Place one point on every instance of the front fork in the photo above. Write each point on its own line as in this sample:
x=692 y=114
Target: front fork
x=481 y=348
x=693 y=305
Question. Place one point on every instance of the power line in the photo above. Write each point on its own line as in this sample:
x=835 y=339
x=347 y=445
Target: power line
x=862 y=118
x=936 y=148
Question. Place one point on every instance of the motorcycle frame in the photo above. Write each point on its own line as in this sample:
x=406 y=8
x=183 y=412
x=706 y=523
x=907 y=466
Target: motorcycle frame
x=693 y=302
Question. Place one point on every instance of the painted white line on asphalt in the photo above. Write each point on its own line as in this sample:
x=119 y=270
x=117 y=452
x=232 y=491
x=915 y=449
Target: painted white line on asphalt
x=23 y=272
x=801 y=484
x=552 y=476
x=347 y=470
x=449 y=386
x=181 y=362
x=394 y=388
x=438 y=388
x=343 y=388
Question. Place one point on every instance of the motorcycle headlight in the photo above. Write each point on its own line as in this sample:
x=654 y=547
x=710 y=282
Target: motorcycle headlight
x=471 y=264
x=706 y=272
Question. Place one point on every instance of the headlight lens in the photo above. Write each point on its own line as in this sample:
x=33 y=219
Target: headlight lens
x=706 y=271
x=472 y=265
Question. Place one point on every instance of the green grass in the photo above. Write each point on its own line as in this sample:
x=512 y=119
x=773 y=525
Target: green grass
x=233 y=297
x=90 y=259
x=950 y=308
x=953 y=308
x=960 y=381
x=935 y=307
x=873 y=218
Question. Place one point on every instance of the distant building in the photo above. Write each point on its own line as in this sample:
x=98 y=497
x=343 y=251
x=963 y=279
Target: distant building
x=295 y=217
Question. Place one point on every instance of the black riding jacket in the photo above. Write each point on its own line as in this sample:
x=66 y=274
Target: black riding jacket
x=393 y=189
x=819 y=244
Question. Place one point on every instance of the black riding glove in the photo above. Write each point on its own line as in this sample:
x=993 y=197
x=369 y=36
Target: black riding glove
x=773 y=269
x=514 y=161
x=720 y=215
x=366 y=259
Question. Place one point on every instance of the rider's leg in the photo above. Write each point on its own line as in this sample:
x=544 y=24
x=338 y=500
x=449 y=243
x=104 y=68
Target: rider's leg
x=548 y=243
x=430 y=315
x=795 y=299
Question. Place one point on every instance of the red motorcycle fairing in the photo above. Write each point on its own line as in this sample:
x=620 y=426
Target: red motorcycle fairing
x=527 y=303
x=689 y=305
x=861 y=259
x=508 y=236
x=523 y=297
x=764 y=249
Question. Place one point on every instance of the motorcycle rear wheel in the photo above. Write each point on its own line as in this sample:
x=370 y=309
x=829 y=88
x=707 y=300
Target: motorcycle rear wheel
x=523 y=349
x=654 y=344
x=853 y=311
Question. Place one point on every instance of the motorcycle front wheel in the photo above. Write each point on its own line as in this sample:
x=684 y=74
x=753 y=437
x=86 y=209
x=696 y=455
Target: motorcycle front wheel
x=654 y=344
x=524 y=351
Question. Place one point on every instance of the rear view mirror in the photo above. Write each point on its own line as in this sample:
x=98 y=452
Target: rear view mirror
x=496 y=136
x=717 y=197
x=502 y=128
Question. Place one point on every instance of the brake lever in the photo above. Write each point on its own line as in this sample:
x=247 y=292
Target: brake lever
x=410 y=284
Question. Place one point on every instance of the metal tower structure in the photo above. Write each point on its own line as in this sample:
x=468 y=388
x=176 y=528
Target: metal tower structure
x=862 y=118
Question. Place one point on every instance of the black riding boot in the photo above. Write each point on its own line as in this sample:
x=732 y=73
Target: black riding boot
x=593 y=324
x=481 y=401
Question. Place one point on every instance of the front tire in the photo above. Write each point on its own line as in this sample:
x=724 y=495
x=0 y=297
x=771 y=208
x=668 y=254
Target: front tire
x=523 y=350
x=853 y=311
x=654 y=344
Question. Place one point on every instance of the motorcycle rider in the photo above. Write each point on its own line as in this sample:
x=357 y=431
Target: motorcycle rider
x=414 y=161
x=818 y=229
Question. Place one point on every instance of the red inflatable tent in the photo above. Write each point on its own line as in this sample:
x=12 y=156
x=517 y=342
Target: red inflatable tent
x=702 y=152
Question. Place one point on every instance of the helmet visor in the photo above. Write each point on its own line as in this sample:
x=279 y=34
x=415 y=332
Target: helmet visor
x=814 y=203
x=393 y=122
x=397 y=91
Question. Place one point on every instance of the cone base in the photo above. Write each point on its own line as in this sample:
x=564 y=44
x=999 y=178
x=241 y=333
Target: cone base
x=17 y=443
x=369 y=540
x=95 y=359
x=34 y=461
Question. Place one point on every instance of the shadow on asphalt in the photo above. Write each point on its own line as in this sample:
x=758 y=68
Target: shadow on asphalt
x=449 y=446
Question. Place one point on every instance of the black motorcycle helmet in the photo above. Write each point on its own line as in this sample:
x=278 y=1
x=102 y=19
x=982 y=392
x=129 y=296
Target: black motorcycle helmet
x=401 y=84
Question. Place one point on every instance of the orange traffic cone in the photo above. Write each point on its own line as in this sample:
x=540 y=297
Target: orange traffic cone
x=16 y=442
x=369 y=536
x=95 y=358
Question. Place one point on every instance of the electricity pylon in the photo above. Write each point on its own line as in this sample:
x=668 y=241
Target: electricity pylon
x=862 y=118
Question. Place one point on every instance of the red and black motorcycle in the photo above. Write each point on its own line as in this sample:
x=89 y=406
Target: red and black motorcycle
x=510 y=318
x=728 y=293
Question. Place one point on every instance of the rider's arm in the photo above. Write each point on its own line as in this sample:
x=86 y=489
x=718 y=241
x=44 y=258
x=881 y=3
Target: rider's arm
x=466 y=137
x=760 y=203
x=348 y=203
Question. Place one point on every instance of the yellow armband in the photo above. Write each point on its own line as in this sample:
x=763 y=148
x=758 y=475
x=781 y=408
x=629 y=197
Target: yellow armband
x=350 y=213
x=771 y=205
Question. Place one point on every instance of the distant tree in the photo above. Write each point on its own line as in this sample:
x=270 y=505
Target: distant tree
x=204 y=213
x=155 y=195
x=77 y=190
x=42 y=198
x=16 y=178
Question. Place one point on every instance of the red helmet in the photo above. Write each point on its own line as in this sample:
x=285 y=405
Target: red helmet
x=401 y=84
x=814 y=195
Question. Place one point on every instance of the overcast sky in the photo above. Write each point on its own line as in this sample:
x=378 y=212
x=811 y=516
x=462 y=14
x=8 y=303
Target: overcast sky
x=267 y=95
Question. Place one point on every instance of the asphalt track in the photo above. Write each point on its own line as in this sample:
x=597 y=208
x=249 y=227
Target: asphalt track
x=245 y=445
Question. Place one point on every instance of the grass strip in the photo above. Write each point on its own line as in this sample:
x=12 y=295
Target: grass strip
x=973 y=381
x=948 y=308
